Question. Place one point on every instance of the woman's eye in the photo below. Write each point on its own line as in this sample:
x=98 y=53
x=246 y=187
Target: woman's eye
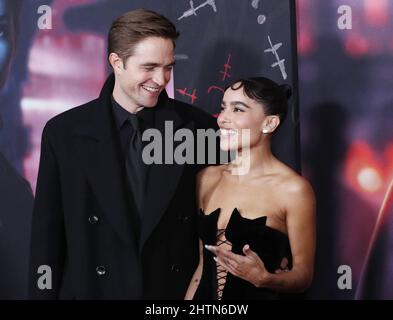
x=222 y=109
x=237 y=110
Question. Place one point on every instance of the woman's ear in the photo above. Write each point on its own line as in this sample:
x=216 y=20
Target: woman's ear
x=270 y=124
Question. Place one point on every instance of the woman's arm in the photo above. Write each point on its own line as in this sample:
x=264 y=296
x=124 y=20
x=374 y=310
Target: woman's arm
x=196 y=278
x=301 y=226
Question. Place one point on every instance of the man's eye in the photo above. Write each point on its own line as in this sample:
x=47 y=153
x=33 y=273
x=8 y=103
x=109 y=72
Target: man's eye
x=169 y=68
x=149 y=68
x=222 y=109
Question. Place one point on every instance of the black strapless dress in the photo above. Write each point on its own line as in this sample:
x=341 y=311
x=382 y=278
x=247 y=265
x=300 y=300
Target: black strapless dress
x=270 y=244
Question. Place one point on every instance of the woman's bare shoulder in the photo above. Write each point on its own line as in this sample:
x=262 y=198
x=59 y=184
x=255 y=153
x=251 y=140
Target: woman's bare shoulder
x=293 y=184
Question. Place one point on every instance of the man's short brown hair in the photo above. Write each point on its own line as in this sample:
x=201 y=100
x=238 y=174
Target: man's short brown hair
x=136 y=25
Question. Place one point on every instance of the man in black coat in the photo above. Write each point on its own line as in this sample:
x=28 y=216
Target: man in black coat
x=98 y=233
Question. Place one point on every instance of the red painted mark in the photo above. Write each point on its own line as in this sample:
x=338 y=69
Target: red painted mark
x=215 y=88
x=184 y=92
x=227 y=66
x=225 y=74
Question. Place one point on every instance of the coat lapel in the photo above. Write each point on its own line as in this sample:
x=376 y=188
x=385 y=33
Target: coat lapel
x=99 y=148
x=163 y=178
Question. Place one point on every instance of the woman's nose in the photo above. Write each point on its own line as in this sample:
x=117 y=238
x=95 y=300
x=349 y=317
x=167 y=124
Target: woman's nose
x=223 y=117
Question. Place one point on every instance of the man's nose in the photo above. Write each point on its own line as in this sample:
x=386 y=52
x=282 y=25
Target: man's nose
x=162 y=77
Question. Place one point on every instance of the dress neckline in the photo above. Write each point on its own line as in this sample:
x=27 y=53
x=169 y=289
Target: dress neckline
x=216 y=213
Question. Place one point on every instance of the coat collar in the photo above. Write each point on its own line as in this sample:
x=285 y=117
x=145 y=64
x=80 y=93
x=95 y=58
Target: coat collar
x=101 y=124
x=98 y=145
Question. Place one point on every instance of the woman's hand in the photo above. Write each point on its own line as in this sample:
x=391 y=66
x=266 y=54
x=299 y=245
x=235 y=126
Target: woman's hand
x=248 y=267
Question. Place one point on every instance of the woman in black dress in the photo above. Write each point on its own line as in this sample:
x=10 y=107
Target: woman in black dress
x=255 y=212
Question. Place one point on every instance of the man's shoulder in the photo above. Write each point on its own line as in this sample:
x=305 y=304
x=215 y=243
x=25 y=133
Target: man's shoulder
x=72 y=117
x=196 y=114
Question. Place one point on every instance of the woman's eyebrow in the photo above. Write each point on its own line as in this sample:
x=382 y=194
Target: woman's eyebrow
x=234 y=103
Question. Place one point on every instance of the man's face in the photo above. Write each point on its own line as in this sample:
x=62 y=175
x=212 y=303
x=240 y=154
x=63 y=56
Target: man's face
x=6 y=39
x=145 y=74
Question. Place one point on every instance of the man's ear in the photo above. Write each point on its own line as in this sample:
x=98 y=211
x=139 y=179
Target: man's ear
x=270 y=124
x=116 y=62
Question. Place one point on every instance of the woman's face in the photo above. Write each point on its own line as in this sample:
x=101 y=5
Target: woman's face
x=6 y=38
x=238 y=113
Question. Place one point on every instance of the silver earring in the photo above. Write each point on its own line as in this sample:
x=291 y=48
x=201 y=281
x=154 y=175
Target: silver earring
x=265 y=130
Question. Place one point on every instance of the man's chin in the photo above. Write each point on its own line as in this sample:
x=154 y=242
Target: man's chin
x=150 y=105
